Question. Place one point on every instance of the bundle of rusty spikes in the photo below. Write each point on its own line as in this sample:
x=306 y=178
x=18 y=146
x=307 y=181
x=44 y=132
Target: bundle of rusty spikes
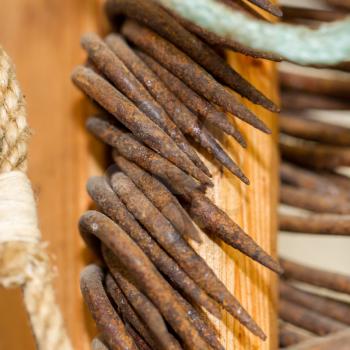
x=312 y=152
x=159 y=83
x=310 y=319
x=173 y=79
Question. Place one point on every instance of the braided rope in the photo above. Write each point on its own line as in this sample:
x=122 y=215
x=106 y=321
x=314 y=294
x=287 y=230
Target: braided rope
x=14 y=130
x=23 y=259
x=329 y=44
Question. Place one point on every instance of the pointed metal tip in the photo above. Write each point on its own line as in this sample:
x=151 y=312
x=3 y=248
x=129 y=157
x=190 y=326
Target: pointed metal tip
x=280 y=270
x=268 y=6
x=261 y=335
x=245 y=179
x=273 y=107
x=240 y=139
x=256 y=330
x=239 y=173
x=267 y=131
x=276 y=11
x=243 y=113
x=210 y=184
x=205 y=181
x=273 y=265
x=235 y=170
x=202 y=177
x=263 y=127
x=245 y=319
x=207 y=172
x=243 y=143
x=264 y=259
x=254 y=327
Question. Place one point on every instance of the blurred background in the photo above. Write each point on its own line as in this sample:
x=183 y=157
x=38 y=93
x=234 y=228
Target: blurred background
x=322 y=251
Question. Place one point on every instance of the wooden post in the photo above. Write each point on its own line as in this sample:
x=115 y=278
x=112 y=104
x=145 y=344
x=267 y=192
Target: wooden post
x=42 y=38
x=254 y=208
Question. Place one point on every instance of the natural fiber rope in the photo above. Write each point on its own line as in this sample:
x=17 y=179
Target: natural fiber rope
x=327 y=45
x=23 y=259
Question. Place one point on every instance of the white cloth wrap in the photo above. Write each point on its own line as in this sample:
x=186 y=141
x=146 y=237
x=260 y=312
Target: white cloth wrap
x=18 y=217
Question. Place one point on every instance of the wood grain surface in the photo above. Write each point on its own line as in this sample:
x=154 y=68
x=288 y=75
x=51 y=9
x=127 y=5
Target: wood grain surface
x=253 y=208
x=42 y=37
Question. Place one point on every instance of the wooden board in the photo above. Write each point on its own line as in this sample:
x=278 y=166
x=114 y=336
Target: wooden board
x=253 y=208
x=42 y=37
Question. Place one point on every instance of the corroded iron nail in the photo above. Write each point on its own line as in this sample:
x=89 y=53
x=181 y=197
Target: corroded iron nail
x=314 y=130
x=208 y=142
x=300 y=177
x=192 y=100
x=188 y=71
x=106 y=318
x=226 y=43
x=147 y=276
x=183 y=185
x=316 y=156
x=146 y=310
x=216 y=221
x=127 y=146
x=245 y=7
x=116 y=71
x=107 y=200
x=204 y=326
x=139 y=341
x=172 y=242
x=161 y=198
x=316 y=84
x=339 y=180
x=268 y=6
x=306 y=319
x=342 y=4
x=331 y=308
x=313 y=201
x=339 y=341
x=290 y=335
x=344 y=66
x=92 y=242
x=320 y=224
x=150 y=81
x=165 y=25
x=299 y=13
x=316 y=277
x=300 y=100
x=182 y=117
x=127 y=312
x=128 y=114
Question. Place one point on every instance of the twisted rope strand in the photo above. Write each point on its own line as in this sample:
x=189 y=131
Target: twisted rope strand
x=14 y=130
x=23 y=258
x=327 y=45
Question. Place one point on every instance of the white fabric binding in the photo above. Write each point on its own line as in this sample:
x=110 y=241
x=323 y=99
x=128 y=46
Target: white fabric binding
x=18 y=218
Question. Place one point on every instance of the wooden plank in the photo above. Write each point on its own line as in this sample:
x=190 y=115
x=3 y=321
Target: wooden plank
x=253 y=208
x=43 y=39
